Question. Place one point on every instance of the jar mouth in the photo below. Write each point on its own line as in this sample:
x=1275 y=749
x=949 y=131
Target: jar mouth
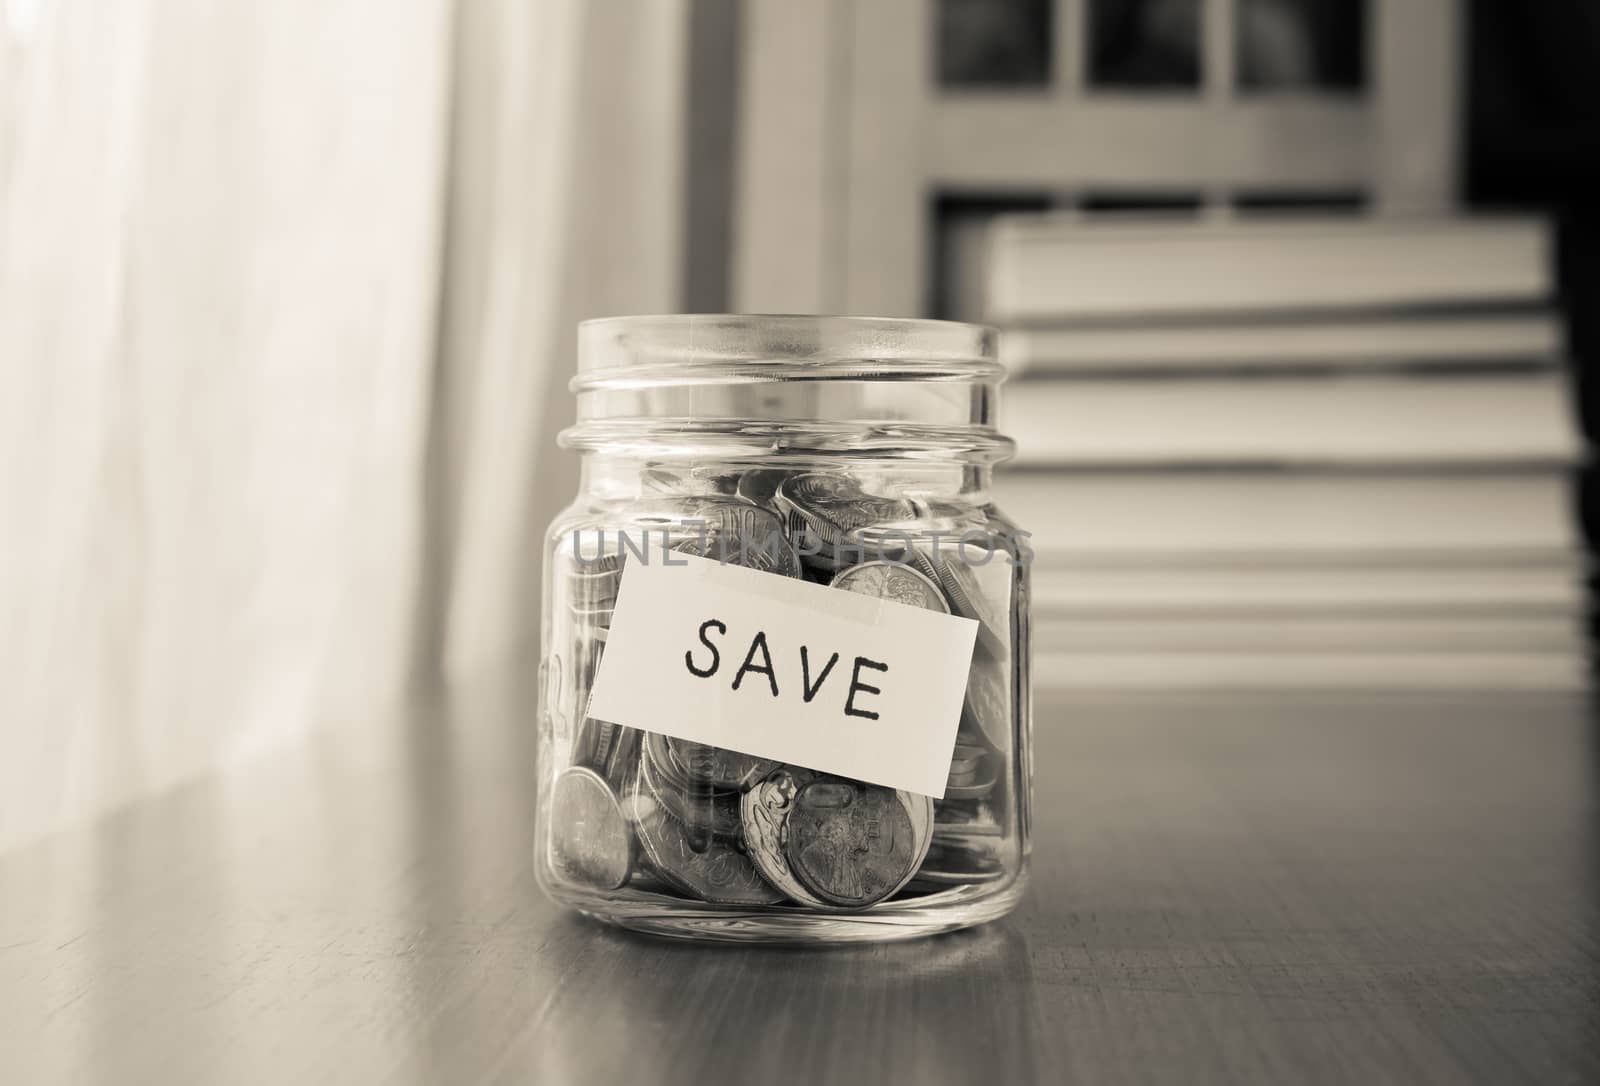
x=778 y=378
x=701 y=347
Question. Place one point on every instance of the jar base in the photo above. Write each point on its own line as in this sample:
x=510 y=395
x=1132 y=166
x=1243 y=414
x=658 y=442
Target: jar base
x=909 y=919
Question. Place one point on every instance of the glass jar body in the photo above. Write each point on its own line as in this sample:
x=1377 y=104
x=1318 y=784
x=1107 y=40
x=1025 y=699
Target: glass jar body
x=652 y=833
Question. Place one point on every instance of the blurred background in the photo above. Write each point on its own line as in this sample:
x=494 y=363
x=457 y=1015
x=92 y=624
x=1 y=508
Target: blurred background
x=1297 y=293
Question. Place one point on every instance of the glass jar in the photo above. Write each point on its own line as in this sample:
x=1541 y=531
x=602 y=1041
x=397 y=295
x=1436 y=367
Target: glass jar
x=851 y=457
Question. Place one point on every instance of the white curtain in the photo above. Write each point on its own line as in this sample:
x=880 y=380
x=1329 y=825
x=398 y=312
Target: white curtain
x=286 y=298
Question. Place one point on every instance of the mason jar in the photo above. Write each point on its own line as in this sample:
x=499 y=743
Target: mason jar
x=784 y=687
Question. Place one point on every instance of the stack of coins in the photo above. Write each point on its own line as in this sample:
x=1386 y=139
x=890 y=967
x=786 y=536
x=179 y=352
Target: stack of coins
x=593 y=593
x=659 y=815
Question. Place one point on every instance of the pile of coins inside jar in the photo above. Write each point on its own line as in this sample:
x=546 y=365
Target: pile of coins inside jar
x=635 y=811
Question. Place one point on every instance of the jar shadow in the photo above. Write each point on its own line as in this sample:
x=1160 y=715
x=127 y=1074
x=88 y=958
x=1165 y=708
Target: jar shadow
x=959 y=1006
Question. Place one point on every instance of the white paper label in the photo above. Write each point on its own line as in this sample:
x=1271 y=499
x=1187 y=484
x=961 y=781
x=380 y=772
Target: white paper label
x=781 y=668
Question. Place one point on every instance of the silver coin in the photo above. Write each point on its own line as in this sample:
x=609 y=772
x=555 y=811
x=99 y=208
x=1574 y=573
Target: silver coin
x=987 y=708
x=644 y=881
x=974 y=786
x=854 y=844
x=890 y=581
x=592 y=585
x=589 y=652
x=623 y=761
x=593 y=744
x=987 y=705
x=598 y=568
x=703 y=811
x=664 y=480
x=759 y=485
x=920 y=808
x=697 y=481
x=743 y=534
x=719 y=873
x=833 y=506
x=607 y=563
x=765 y=809
x=776 y=556
x=794 y=525
x=817 y=574
x=824 y=563
x=679 y=516
x=966 y=756
x=665 y=764
x=589 y=835
x=953 y=818
x=717 y=766
x=720 y=512
x=965 y=593
x=964 y=777
x=913 y=557
x=637 y=802
x=584 y=603
x=598 y=622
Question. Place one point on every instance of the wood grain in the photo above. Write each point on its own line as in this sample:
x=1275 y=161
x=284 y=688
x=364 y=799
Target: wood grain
x=1330 y=889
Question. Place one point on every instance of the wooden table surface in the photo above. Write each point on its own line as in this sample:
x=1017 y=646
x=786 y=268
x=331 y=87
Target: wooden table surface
x=1302 y=888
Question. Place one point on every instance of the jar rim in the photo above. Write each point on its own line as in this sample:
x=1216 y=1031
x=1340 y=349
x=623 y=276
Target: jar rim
x=782 y=345
x=690 y=382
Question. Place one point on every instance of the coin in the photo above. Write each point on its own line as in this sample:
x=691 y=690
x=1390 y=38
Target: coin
x=988 y=702
x=644 y=881
x=921 y=810
x=760 y=484
x=668 y=767
x=744 y=535
x=965 y=818
x=720 y=874
x=966 y=757
x=987 y=707
x=594 y=609
x=661 y=480
x=778 y=557
x=592 y=747
x=833 y=505
x=678 y=515
x=589 y=836
x=853 y=844
x=718 y=766
x=824 y=562
x=593 y=584
x=978 y=784
x=794 y=523
x=817 y=574
x=764 y=810
x=889 y=581
x=601 y=564
x=638 y=804
x=599 y=567
x=664 y=775
x=719 y=481
x=920 y=562
x=702 y=812
x=698 y=480
x=624 y=758
x=965 y=593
